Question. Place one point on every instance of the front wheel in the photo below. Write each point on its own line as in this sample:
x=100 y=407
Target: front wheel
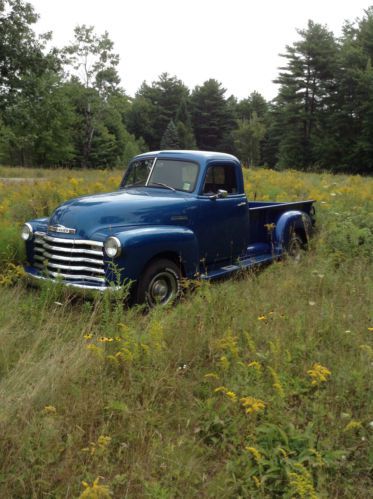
x=159 y=283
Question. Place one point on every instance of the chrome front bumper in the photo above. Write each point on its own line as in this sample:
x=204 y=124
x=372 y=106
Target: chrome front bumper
x=34 y=277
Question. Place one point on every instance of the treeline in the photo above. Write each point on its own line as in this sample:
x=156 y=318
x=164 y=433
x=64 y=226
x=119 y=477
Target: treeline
x=67 y=107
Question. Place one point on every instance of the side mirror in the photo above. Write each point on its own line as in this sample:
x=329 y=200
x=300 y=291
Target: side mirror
x=222 y=193
x=219 y=195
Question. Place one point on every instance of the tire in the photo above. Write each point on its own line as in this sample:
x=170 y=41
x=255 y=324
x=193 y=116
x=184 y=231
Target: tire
x=295 y=247
x=159 y=284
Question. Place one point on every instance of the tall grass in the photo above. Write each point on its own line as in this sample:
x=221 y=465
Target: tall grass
x=257 y=386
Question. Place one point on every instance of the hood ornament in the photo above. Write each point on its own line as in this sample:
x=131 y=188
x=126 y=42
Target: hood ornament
x=61 y=229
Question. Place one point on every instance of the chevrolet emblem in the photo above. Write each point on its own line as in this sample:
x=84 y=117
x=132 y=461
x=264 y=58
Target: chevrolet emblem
x=61 y=228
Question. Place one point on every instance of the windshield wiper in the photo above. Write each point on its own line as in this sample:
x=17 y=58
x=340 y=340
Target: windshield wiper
x=162 y=185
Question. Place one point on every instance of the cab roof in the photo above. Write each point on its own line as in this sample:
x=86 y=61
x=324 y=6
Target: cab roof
x=191 y=155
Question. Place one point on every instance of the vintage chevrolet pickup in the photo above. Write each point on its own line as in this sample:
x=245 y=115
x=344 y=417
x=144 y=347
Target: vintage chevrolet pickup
x=177 y=214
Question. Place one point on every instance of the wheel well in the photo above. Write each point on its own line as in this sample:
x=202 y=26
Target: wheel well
x=168 y=255
x=301 y=232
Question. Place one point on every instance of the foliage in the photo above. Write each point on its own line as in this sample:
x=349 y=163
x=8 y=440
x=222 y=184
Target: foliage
x=247 y=138
x=253 y=387
x=212 y=118
x=170 y=139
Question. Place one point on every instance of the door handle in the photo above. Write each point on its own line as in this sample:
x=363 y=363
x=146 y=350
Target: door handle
x=242 y=204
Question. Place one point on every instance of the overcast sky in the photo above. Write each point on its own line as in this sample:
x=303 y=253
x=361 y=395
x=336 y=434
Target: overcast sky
x=236 y=42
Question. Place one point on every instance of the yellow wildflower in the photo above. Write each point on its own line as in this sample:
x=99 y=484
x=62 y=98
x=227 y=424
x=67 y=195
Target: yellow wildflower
x=224 y=362
x=262 y=318
x=88 y=336
x=256 y=481
x=255 y=453
x=49 y=409
x=252 y=405
x=231 y=395
x=220 y=389
x=276 y=382
x=211 y=376
x=319 y=374
x=352 y=425
x=103 y=441
x=95 y=491
x=104 y=339
x=256 y=365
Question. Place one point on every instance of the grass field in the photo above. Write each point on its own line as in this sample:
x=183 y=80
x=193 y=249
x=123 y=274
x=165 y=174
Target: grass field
x=259 y=386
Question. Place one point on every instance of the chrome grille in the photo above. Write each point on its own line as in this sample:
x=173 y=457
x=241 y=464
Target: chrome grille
x=73 y=259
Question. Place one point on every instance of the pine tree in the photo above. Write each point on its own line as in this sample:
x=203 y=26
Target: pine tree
x=305 y=85
x=213 y=120
x=170 y=138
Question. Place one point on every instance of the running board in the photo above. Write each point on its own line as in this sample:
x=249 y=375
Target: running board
x=243 y=263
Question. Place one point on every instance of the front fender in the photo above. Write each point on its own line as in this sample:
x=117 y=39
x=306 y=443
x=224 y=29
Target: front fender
x=140 y=245
x=289 y=222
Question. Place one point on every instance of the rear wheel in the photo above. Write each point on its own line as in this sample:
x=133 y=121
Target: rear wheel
x=295 y=247
x=159 y=283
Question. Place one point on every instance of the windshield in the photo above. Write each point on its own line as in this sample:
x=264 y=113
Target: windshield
x=165 y=174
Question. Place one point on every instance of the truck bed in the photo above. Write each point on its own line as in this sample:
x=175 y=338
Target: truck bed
x=260 y=249
x=262 y=214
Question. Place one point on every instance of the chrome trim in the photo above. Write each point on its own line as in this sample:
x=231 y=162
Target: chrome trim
x=69 y=267
x=119 y=244
x=151 y=171
x=69 y=241
x=31 y=232
x=69 y=276
x=61 y=229
x=66 y=250
x=67 y=259
x=77 y=287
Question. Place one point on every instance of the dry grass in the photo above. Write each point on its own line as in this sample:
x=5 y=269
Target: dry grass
x=156 y=405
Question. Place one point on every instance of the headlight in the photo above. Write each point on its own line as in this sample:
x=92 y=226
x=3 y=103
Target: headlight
x=26 y=232
x=112 y=247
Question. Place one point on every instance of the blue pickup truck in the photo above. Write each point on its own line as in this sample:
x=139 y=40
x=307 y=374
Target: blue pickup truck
x=177 y=214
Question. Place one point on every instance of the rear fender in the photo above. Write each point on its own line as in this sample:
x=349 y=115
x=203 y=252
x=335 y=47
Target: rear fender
x=287 y=224
x=140 y=245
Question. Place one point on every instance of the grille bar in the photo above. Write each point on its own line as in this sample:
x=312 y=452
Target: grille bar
x=69 y=276
x=65 y=249
x=65 y=258
x=69 y=258
x=69 y=241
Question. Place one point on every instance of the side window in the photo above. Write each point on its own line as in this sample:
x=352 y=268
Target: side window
x=220 y=177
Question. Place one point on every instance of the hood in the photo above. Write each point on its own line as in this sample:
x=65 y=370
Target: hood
x=115 y=211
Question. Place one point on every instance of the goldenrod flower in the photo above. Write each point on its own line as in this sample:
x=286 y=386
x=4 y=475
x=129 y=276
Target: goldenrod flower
x=255 y=453
x=352 y=425
x=220 y=389
x=95 y=491
x=252 y=405
x=103 y=441
x=224 y=362
x=211 y=375
x=319 y=374
x=256 y=481
x=49 y=409
x=256 y=365
x=231 y=395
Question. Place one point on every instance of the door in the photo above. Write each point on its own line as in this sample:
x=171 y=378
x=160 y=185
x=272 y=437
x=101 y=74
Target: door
x=222 y=222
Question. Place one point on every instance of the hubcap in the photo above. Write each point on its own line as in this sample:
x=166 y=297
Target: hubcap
x=163 y=288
